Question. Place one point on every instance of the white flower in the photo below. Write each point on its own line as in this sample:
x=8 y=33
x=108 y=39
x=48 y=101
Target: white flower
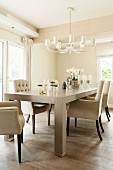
x=74 y=72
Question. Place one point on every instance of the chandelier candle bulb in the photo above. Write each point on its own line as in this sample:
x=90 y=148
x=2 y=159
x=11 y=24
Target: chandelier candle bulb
x=93 y=42
x=70 y=38
x=46 y=42
x=82 y=45
x=58 y=45
x=54 y=39
x=83 y=39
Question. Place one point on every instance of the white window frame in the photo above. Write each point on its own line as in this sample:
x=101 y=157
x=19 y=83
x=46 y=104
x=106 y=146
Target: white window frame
x=16 y=45
x=98 y=69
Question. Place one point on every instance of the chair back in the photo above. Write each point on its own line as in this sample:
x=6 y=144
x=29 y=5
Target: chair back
x=99 y=91
x=106 y=87
x=105 y=94
x=110 y=96
x=21 y=85
x=99 y=97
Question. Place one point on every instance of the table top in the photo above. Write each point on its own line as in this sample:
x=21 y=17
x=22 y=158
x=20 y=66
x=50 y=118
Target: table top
x=68 y=95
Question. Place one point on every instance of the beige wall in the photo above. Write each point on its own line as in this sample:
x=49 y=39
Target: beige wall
x=86 y=61
x=43 y=65
x=47 y=65
x=96 y=27
x=104 y=49
x=93 y=27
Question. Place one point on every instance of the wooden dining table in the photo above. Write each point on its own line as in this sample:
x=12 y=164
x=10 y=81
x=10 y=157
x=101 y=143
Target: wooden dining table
x=59 y=98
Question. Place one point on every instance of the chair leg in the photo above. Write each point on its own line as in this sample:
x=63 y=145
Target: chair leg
x=19 y=147
x=22 y=136
x=75 y=122
x=28 y=118
x=49 y=118
x=101 y=124
x=97 y=126
x=33 y=124
x=107 y=113
x=68 y=123
x=49 y=115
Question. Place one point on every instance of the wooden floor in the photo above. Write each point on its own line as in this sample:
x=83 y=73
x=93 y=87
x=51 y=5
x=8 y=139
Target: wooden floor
x=84 y=149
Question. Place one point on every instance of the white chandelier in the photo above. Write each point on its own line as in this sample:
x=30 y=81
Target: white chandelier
x=59 y=46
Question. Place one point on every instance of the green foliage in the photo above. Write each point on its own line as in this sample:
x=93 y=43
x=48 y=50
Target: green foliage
x=106 y=74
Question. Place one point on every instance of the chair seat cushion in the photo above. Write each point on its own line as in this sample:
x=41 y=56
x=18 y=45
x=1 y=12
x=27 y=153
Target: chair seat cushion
x=40 y=104
x=40 y=107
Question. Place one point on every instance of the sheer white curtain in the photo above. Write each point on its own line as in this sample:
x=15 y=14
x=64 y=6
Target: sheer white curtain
x=27 y=57
x=27 y=66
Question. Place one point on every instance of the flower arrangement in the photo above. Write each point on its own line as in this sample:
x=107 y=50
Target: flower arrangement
x=74 y=72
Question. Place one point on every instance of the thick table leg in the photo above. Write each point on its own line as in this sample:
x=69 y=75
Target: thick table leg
x=60 y=127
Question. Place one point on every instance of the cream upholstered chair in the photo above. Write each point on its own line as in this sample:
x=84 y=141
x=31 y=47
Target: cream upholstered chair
x=105 y=98
x=110 y=97
x=87 y=109
x=106 y=88
x=31 y=107
x=12 y=121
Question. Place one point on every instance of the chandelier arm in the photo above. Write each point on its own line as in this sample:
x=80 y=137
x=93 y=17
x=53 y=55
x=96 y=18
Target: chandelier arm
x=51 y=50
x=59 y=46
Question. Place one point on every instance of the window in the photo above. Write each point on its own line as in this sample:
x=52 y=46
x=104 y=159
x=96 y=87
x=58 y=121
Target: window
x=15 y=64
x=105 y=68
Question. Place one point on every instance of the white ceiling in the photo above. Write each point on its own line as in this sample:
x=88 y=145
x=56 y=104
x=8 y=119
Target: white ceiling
x=46 y=13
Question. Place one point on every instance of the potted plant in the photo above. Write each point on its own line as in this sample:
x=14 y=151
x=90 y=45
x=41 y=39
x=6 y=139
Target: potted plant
x=74 y=73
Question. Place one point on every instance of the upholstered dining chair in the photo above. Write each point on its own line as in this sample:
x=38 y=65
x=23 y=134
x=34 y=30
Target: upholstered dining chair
x=31 y=108
x=110 y=96
x=12 y=122
x=106 y=89
x=87 y=109
x=105 y=98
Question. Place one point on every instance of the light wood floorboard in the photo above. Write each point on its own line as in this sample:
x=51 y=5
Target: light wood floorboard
x=84 y=149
